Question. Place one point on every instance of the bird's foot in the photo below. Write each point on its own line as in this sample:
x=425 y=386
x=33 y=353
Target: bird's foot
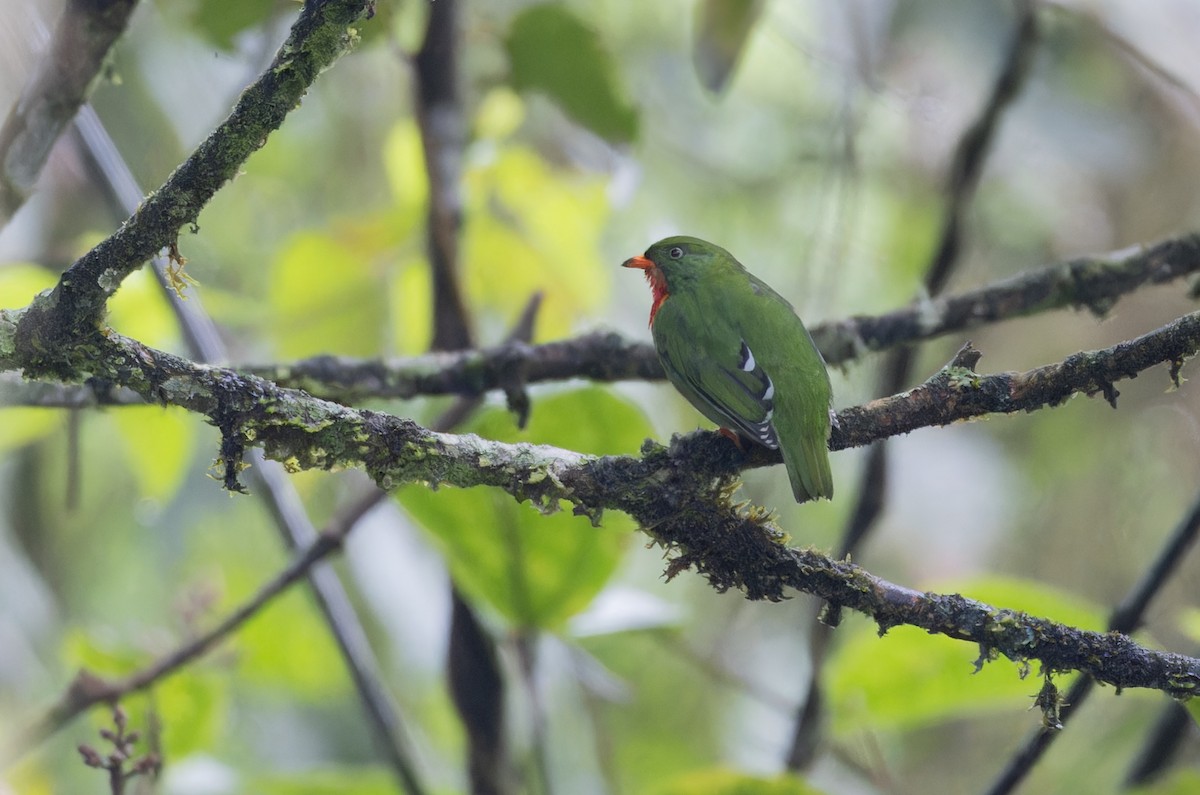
x=732 y=436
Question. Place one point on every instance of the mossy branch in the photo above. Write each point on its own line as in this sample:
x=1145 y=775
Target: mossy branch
x=680 y=494
x=307 y=432
x=61 y=319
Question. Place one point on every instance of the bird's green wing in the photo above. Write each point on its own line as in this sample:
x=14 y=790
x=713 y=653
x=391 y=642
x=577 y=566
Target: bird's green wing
x=707 y=360
x=802 y=400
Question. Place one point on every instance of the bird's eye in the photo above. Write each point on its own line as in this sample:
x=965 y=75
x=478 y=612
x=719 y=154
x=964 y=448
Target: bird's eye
x=675 y=252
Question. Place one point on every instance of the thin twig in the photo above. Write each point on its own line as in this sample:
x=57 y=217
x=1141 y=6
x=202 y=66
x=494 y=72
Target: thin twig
x=1125 y=618
x=443 y=137
x=88 y=689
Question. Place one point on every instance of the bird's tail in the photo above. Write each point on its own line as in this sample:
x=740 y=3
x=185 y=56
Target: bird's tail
x=808 y=469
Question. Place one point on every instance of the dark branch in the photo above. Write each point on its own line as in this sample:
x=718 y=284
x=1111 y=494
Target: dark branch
x=976 y=142
x=443 y=136
x=966 y=167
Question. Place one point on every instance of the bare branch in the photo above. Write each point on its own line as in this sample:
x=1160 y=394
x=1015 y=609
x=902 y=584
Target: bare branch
x=54 y=92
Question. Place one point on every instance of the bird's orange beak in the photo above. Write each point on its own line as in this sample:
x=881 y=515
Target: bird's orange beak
x=638 y=262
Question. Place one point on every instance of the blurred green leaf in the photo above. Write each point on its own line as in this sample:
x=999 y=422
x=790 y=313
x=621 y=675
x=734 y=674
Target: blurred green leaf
x=536 y=570
x=20 y=426
x=326 y=294
x=292 y=652
x=531 y=228
x=728 y=782
x=194 y=705
x=140 y=310
x=220 y=20
x=404 y=164
x=553 y=51
x=721 y=35
x=158 y=446
x=673 y=724
x=19 y=283
x=101 y=653
x=1193 y=708
x=1189 y=623
x=909 y=678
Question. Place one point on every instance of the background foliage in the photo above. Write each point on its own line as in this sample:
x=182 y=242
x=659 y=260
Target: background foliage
x=593 y=131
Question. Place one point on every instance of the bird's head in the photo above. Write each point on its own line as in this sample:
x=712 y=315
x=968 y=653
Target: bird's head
x=675 y=264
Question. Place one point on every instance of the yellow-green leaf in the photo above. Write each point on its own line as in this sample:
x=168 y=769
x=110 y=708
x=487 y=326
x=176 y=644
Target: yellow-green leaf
x=140 y=310
x=531 y=228
x=326 y=781
x=292 y=651
x=1176 y=782
x=159 y=443
x=326 y=295
x=1189 y=623
x=194 y=705
x=20 y=425
x=21 y=281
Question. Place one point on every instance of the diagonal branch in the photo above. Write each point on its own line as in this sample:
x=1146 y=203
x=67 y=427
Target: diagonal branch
x=72 y=311
x=272 y=485
x=88 y=689
x=54 y=92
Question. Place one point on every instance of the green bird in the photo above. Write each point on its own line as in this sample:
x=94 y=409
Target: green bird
x=737 y=351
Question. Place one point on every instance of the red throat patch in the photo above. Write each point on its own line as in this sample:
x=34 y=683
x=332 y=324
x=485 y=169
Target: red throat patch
x=658 y=288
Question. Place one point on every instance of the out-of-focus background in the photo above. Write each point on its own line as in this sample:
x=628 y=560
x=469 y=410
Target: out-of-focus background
x=822 y=165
